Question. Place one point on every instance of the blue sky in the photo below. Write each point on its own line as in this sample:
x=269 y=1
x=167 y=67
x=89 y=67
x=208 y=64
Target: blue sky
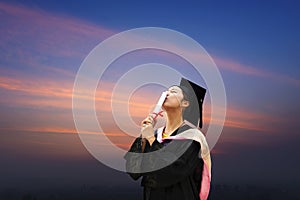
x=231 y=28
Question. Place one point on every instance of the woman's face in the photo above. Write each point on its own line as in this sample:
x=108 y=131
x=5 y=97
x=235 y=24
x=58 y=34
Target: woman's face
x=174 y=97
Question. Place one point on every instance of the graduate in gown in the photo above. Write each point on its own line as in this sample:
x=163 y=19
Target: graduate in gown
x=174 y=160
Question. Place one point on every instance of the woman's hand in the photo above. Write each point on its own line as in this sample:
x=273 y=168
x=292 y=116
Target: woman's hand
x=147 y=130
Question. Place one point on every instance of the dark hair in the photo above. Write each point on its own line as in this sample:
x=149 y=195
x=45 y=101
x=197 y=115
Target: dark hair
x=192 y=112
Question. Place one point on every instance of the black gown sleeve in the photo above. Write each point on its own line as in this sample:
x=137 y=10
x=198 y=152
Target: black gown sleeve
x=134 y=161
x=181 y=168
x=173 y=172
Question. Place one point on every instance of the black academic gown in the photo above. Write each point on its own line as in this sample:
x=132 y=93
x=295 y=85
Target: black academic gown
x=180 y=180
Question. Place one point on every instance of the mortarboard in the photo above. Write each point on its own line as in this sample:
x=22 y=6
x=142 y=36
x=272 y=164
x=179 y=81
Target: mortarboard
x=195 y=95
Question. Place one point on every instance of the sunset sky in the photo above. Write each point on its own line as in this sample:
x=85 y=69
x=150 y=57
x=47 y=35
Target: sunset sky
x=255 y=45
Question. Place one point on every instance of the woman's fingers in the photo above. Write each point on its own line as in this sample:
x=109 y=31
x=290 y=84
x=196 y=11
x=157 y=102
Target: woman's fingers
x=147 y=128
x=148 y=120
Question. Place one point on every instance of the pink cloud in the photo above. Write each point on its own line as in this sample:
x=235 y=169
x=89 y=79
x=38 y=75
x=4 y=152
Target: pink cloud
x=40 y=34
x=50 y=22
x=33 y=38
x=237 y=67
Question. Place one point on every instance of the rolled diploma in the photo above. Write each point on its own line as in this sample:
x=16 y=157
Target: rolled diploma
x=160 y=103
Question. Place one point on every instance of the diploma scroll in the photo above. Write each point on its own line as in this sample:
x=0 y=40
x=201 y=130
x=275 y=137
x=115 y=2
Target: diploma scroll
x=157 y=109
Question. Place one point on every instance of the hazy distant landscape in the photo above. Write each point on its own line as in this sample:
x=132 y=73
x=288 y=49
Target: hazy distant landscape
x=47 y=169
x=86 y=192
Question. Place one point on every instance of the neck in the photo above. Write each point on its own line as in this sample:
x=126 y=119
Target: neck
x=174 y=121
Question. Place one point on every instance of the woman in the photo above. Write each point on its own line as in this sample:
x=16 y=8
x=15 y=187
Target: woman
x=175 y=161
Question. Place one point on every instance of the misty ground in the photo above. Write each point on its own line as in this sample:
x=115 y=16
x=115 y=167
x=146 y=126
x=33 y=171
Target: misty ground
x=86 y=192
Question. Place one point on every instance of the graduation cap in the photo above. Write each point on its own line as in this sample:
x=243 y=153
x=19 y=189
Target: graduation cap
x=195 y=95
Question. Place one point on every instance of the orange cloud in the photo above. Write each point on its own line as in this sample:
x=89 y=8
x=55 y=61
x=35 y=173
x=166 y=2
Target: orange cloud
x=237 y=117
x=36 y=87
x=58 y=94
x=42 y=129
x=42 y=92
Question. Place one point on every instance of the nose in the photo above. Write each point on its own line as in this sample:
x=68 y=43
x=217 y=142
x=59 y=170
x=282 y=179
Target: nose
x=168 y=93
